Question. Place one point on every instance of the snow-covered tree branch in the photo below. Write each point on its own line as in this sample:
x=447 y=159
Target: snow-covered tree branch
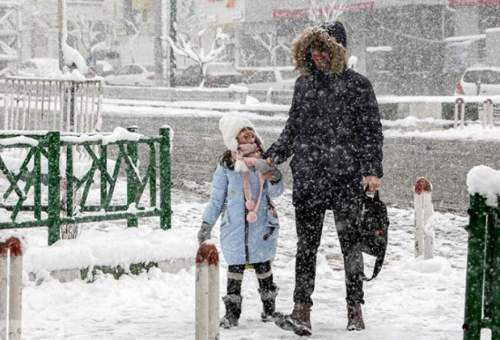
x=184 y=47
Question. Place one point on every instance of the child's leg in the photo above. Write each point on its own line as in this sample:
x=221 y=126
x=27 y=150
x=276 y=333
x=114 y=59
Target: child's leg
x=233 y=298
x=267 y=289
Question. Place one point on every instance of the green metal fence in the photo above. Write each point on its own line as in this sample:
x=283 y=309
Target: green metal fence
x=45 y=184
x=482 y=289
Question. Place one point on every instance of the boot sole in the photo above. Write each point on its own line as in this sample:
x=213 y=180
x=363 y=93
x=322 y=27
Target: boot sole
x=288 y=324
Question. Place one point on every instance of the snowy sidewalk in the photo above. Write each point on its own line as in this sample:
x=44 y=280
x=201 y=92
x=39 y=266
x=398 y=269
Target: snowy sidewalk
x=411 y=299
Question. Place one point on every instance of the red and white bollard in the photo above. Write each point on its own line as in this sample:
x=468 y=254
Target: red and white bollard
x=11 y=288
x=486 y=113
x=424 y=210
x=207 y=292
x=459 y=111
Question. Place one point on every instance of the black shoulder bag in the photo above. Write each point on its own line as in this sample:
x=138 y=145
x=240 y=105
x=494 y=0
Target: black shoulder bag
x=374 y=230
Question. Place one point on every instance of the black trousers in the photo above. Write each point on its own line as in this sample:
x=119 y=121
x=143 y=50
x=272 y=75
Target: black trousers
x=309 y=224
x=262 y=270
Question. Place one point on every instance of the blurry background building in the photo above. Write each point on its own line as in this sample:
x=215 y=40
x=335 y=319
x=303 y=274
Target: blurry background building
x=403 y=46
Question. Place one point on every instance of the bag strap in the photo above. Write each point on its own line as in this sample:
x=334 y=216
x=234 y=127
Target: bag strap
x=380 y=259
x=376 y=269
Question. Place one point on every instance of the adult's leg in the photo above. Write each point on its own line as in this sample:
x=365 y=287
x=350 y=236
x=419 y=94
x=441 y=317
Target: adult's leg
x=347 y=230
x=309 y=224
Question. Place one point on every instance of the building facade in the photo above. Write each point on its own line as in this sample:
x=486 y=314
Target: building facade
x=404 y=46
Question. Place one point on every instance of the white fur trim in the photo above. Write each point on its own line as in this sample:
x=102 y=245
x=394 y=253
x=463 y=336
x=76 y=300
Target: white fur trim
x=230 y=127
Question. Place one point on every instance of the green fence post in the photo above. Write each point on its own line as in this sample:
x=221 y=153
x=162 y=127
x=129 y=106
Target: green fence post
x=475 y=261
x=489 y=266
x=69 y=180
x=54 y=207
x=103 y=155
x=495 y=321
x=132 y=186
x=37 y=182
x=165 y=183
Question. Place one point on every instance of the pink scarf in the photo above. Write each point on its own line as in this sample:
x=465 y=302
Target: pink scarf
x=245 y=158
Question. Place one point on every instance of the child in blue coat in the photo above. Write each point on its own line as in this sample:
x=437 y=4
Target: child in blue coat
x=241 y=189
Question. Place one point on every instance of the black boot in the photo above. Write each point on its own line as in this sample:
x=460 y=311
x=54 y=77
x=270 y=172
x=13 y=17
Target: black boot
x=233 y=311
x=355 y=317
x=268 y=298
x=299 y=321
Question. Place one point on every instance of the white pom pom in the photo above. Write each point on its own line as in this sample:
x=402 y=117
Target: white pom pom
x=240 y=166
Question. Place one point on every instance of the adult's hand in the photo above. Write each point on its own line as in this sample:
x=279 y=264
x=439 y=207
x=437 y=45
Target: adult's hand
x=373 y=182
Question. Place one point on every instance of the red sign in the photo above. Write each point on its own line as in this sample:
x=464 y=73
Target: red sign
x=299 y=13
x=474 y=2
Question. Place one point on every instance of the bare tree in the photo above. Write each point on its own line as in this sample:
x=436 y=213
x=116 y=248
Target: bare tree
x=320 y=12
x=184 y=47
x=246 y=55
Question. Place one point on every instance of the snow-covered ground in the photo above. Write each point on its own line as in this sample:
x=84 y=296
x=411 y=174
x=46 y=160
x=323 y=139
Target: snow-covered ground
x=412 y=299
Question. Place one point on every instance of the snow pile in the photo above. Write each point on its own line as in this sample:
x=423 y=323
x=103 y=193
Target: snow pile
x=473 y=132
x=74 y=75
x=485 y=181
x=73 y=57
x=111 y=247
x=118 y=134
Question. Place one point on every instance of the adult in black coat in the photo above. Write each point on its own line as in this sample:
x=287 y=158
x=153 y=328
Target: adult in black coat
x=334 y=136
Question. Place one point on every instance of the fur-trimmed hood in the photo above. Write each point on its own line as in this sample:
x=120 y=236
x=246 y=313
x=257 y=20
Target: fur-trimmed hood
x=317 y=35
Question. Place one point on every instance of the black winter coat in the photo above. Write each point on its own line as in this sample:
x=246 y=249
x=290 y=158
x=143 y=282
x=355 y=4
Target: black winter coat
x=335 y=136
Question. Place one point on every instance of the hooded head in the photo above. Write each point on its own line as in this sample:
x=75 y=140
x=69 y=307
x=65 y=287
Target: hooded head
x=330 y=37
x=335 y=29
x=231 y=126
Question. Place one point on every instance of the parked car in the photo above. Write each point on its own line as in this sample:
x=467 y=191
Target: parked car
x=222 y=75
x=263 y=78
x=38 y=67
x=132 y=75
x=479 y=80
x=218 y=75
x=103 y=68
x=190 y=76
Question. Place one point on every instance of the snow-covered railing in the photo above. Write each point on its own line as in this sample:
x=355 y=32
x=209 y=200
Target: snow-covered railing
x=11 y=289
x=42 y=179
x=482 y=288
x=68 y=105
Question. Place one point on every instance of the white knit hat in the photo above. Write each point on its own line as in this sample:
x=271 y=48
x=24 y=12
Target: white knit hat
x=231 y=126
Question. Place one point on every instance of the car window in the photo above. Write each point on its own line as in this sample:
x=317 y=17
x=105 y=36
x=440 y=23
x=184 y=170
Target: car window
x=289 y=74
x=491 y=77
x=484 y=76
x=135 y=69
x=150 y=68
x=262 y=77
x=124 y=70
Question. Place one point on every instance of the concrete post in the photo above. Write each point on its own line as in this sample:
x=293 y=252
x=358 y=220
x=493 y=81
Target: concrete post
x=207 y=292
x=424 y=231
x=11 y=275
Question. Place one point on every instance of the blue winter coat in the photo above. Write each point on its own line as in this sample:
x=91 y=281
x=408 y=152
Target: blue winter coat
x=242 y=242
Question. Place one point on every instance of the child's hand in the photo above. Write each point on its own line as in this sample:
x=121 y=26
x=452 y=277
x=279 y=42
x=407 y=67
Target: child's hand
x=262 y=166
x=204 y=232
x=268 y=175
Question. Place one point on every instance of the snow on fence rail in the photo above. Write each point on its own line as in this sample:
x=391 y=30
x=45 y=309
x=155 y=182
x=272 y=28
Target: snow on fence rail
x=32 y=189
x=52 y=104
